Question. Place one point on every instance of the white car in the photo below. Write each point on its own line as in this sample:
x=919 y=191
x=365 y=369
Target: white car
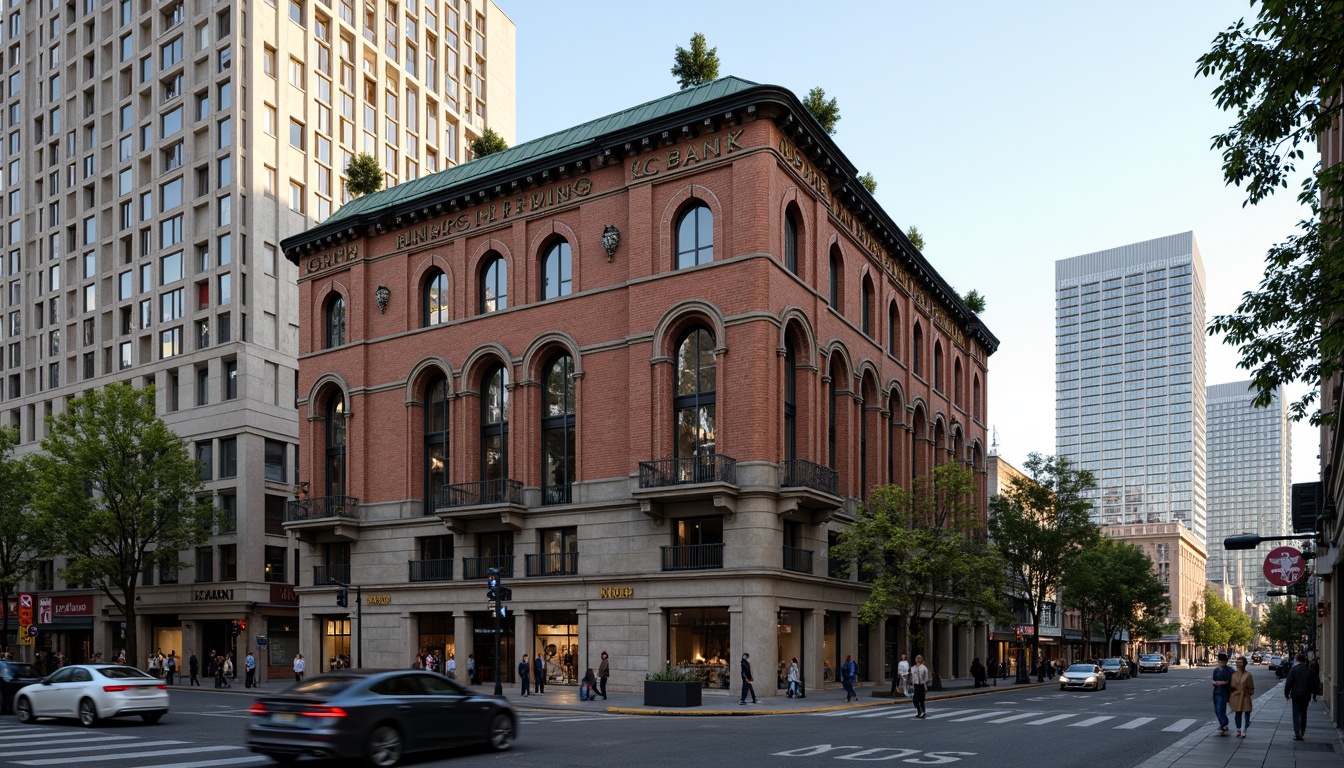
x=92 y=692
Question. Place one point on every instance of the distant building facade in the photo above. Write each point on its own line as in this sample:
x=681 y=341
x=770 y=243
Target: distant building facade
x=1180 y=560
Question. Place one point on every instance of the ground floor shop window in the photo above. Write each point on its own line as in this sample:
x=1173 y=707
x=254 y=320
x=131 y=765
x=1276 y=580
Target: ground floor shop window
x=335 y=644
x=557 y=642
x=483 y=647
x=830 y=647
x=282 y=641
x=436 y=637
x=168 y=640
x=791 y=645
x=697 y=644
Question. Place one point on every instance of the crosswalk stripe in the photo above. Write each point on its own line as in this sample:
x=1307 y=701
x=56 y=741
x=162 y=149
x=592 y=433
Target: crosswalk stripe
x=884 y=712
x=134 y=756
x=227 y=761
x=1045 y=720
x=1091 y=721
x=1180 y=725
x=34 y=740
x=949 y=713
x=1135 y=723
x=54 y=750
x=1021 y=716
x=980 y=716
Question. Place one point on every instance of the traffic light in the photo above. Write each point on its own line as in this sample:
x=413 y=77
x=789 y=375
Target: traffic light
x=1302 y=606
x=242 y=626
x=343 y=598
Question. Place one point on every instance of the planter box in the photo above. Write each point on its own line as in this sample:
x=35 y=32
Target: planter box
x=661 y=694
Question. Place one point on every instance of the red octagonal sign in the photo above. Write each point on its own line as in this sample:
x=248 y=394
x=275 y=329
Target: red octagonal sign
x=1284 y=566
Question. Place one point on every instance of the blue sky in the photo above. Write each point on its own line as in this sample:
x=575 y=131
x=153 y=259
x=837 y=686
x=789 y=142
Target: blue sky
x=1012 y=135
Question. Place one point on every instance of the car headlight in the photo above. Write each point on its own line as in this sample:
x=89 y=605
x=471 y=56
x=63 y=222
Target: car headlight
x=1063 y=679
x=1092 y=679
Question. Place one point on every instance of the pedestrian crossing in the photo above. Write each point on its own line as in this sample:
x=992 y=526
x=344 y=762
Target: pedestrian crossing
x=1013 y=717
x=44 y=745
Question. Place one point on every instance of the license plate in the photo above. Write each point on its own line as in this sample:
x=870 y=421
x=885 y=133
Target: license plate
x=286 y=717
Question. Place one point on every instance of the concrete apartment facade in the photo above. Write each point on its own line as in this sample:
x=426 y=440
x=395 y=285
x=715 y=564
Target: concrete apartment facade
x=1180 y=560
x=156 y=153
x=647 y=367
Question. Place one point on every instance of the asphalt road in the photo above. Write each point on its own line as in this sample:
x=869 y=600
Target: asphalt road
x=1122 y=726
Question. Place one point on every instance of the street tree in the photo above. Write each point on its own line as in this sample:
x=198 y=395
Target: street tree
x=488 y=143
x=1281 y=75
x=363 y=175
x=119 y=491
x=26 y=541
x=1114 y=588
x=925 y=554
x=698 y=65
x=1231 y=619
x=1041 y=523
x=826 y=111
x=1283 y=624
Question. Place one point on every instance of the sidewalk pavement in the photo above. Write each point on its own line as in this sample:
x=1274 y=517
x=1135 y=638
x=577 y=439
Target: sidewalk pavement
x=1268 y=742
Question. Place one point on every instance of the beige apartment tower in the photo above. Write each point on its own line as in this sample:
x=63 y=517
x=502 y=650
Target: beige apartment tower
x=155 y=154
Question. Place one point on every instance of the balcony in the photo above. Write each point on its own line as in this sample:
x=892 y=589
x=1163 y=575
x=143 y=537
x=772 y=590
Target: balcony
x=557 y=494
x=556 y=564
x=479 y=567
x=430 y=570
x=808 y=492
x=692 y=557
x=838 y=569
x=457 y=504
x=323 y=519
x=708 y=476
x=798 y=560
x=326 y=574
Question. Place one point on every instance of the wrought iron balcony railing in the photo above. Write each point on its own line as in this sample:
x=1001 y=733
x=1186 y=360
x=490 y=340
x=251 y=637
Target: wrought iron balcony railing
x=499 y=491
x=319 y=507
x=556 y=494
x=800 y=473
x=799 y=560
x=326 y=574
x=555 y=564
x=479 y=567
x=837 y=569
x=431 y=570
x=687 y=470
x=692 y=557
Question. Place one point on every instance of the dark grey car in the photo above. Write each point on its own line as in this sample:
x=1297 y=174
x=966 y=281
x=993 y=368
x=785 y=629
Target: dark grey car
x=13 y=676
x=377 y=715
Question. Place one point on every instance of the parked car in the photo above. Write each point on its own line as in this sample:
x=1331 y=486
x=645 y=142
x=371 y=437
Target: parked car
x=1257 y=657
x=1083 y=676
x=377 y=715
x=1153 y=662
x=92 y=692
x=13 y=676
x=1274 y=663
x=1116 y=668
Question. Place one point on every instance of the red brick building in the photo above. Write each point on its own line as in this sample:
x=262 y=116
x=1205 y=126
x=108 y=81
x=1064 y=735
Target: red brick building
x=645 y=366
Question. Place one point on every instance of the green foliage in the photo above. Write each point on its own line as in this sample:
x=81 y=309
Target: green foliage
x=826 y=112
x=1113 y=586
x=869 y=183
x=118 y=489
x=26 y=540
x=1283 y=624
x=915 y=238
x=488 y=143
x=924 y=552
x=1217 y=623
x=671 y=675
x=1041 y=523
x=363 y=175
x=974 y=300
x=1280 y=75
x=698 y=65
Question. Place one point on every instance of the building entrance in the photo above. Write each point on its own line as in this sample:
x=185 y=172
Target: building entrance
x=557 y=642
x=483 y=646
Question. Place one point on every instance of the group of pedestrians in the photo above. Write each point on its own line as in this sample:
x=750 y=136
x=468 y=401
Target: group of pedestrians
x=593 y=684
x=1235 y=688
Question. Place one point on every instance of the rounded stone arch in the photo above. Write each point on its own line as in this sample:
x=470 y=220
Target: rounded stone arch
x=895 y=390
x=681 y=316
x=542 y=239
x=476 y=259
x=479 y=359
x=976 y=454
x=793 y=321
x=939 y=436
x=415 y=290
x=672 y=210
x=540 y=350
x=794 y=201
x=834 y=348
x=487 y=245
x=869 y=380
x=423 y=368
x=919 y=411
x=956 y=437
x=321 y=392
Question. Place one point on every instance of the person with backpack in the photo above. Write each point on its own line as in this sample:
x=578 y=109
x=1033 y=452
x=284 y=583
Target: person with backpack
x=849 y=674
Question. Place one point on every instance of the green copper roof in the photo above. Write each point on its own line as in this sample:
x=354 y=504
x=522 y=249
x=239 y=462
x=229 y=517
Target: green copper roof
x=554 y=144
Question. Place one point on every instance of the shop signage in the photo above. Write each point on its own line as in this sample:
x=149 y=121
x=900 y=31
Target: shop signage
x=72 y=606
x=283 y=593
x=1026 y=629
x=615 y=593
x=378 y=600
x=207 y=595
x=44 y=610
x=1283 y=566
x=682 y=157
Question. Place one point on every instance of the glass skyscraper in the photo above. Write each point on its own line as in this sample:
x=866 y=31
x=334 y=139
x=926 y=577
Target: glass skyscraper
x=1129 y=379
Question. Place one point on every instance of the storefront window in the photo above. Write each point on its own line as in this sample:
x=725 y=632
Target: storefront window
x=336 y=644
x=282 y=641
x=830 y=647
x=790 y=645
x=557 y=641
x=483 y=646
x=436 y=636
x=697 y=644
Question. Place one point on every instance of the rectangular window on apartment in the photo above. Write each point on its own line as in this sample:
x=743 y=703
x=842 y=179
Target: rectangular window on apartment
x=228 y=457
x=205 y=457
x=170 y=342
x=228 y=562
x=231 y=380
x=275 y=564
x=203 y=390
x=205 y=564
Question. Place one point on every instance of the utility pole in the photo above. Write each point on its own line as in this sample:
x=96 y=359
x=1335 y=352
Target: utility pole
x=498 y=596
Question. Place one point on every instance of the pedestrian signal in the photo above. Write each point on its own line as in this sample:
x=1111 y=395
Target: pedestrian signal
x=1302 y=606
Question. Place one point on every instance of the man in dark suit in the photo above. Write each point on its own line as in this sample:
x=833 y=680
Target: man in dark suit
x=746 y=680
x=1301 y=685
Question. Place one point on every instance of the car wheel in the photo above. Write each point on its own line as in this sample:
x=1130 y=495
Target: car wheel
x=88 y=713
x=152 y=717
x=1063 y=688
x=501 y=732
x=384 y=747
x=282 y=759
x=23 y=709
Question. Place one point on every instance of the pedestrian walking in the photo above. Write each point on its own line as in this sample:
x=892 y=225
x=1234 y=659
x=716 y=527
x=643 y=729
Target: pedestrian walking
x=849 y=674
x=978 y=673
x=747 y=686
x=538 y=674
x=994 y=669
x=1222 y=677
x=471 y=669
x=194 y=667
x=1242 y=692
x=299 y=666
x=451 y=665
x=170 y=666
x=524 y=668
x=919 y=682
x=152 y=664
x=794 y=678
x=250 y=671
x=900 y=684
x=1302 y=683
x=227 y=671
x=603 y=672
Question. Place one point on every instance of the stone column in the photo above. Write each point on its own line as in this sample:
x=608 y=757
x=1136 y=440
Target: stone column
x=877 y=655
x=945 y=630
x=814 y=631
x=522 y=638
x=464 y=644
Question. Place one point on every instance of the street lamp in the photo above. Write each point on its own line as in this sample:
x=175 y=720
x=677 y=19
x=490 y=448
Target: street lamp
x=1251 y=541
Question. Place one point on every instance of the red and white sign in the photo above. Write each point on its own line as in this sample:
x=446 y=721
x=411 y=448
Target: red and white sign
x=73 y=606
x=25 y=609
x=1284 y=566
x=44 y=610
x=25 y=600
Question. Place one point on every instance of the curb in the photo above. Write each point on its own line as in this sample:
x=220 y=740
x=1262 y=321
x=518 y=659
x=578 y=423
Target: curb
x=747 y=712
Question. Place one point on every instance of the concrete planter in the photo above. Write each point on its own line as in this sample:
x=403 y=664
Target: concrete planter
x=664 y=694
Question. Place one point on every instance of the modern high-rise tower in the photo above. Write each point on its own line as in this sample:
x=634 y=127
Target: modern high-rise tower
x=154 y=156
x=1129 y=378
x=1249 y=480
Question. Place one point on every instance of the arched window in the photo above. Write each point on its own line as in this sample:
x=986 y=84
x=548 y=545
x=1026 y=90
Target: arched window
x=791 y=240
x=495 y=428
x=837 y=276
x=335 y=316
x=790 y=403
x=436 y=439
x=693 y=404
x=956 y=382
x=556 y=271
x=335 y=446
x=557 y=431
x=893 y=329
x=975 y=397
x=494 y=284
x=938 y=365
x=866 y=315
x=896 y=416
x=695 y=236
x=435 y=299
x=917 y=350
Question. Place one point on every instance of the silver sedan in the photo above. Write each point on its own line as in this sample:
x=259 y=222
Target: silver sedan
x=1083 y=676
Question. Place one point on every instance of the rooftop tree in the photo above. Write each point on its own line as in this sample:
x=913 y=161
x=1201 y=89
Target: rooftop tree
x=698 y=65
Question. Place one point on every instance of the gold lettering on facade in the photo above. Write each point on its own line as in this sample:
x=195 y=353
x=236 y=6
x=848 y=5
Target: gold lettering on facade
x=615 y=593
x=332 y=258
x=684 y=158
x=378 y=600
